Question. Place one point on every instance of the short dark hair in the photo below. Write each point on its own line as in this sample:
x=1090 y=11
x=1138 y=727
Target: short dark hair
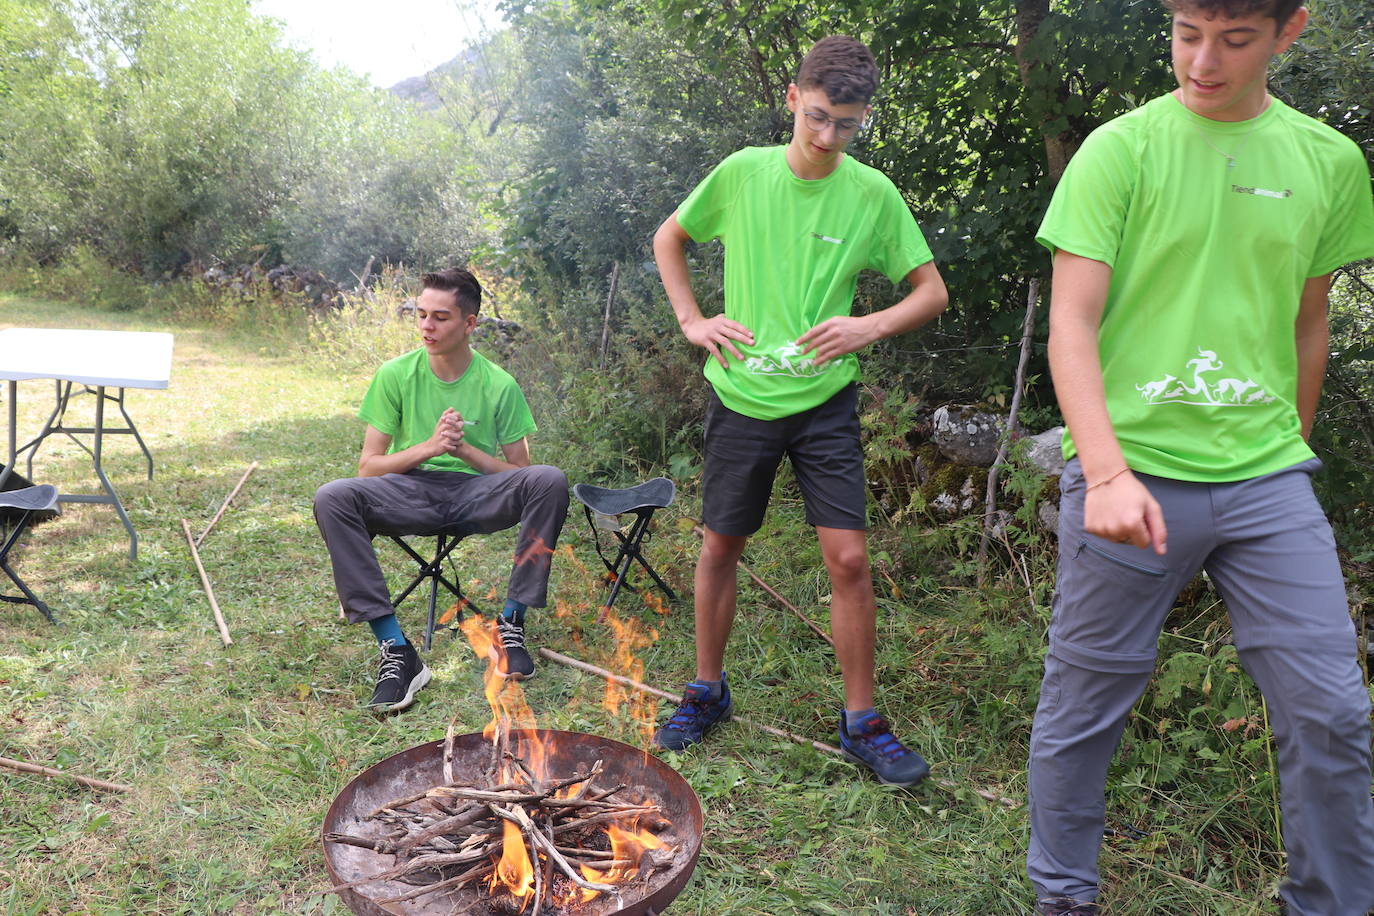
x=842 y=67
x=1278 y=10
x=461 y=283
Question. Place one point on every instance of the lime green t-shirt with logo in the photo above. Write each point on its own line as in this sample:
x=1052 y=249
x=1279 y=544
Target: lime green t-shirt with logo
x=793 y=252
x=1208 y=262
x=406 y=399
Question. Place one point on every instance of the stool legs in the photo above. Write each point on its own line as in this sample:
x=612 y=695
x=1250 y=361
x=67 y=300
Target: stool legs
x=630 y=551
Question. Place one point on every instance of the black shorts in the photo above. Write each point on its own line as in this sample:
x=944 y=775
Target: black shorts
x=743 y=454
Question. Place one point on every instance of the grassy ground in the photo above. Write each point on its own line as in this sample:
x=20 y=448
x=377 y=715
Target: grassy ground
x=234 y=754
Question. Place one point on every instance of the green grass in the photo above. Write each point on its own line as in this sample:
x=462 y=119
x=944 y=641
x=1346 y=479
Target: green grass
x=234 y=754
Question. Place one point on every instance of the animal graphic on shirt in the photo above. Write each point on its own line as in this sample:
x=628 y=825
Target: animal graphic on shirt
x=1195 y=387
x=788 y=359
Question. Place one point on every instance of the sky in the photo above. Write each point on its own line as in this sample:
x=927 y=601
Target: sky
x=386 y=42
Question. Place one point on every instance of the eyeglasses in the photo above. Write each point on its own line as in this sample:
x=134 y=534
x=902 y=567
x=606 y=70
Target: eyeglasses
x=844 y=127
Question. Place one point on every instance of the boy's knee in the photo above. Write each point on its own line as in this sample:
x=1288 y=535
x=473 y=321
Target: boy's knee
x=549 y=481
x=332 y=496
x=848 y=564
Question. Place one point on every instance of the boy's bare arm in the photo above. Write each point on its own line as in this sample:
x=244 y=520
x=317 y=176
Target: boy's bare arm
x=516 y=455
x=374 y=461
x=1312 y=335
x=1117 y=506
x=850 y=333
x=714 y=333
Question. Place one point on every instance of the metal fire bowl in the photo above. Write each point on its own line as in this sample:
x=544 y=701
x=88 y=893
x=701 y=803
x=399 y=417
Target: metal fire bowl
x=422 y=767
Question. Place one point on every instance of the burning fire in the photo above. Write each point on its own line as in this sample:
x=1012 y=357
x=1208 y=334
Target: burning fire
x=633 y=846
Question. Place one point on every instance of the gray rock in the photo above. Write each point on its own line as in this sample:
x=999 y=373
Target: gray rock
x=1044 y=452
x=1048 y=514
x=967 y=436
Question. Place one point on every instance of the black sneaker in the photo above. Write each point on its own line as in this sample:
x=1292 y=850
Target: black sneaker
x=400 y=675
x=696 y=715
x=1065 y=906
x=512 y=658
x=873 y=745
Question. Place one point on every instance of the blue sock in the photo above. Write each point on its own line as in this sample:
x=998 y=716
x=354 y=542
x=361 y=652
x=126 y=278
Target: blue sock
x=514 y=611
x=852 y=719
x=387 y=627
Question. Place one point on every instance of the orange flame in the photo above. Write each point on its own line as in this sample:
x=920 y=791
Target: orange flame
x=509 y=708
x=631 y=635
x=514 y=872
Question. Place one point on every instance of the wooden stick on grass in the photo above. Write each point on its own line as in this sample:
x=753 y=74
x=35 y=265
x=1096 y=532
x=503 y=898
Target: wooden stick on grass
x=815 y=628
x=818 y=745
x=209 y=592
x=227 y=500
x=101 y=784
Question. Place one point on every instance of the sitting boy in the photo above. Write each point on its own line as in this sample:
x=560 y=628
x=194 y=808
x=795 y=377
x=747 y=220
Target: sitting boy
x=437 y=417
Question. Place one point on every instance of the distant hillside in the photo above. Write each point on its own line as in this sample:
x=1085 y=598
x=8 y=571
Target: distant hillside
x=420 y=90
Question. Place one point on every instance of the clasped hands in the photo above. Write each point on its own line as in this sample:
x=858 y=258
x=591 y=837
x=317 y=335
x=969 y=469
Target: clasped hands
x=448 y=434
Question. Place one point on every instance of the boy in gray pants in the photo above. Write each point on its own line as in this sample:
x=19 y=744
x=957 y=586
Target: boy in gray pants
x=446 y=445
x=1194 y=240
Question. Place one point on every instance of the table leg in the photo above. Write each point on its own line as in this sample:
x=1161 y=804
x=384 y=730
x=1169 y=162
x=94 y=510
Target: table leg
x=9 y=464
x=133 y=430
x=112 y=496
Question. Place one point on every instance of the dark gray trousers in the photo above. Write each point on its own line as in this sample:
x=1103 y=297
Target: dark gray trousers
x=1267 y=546
x=350 y=511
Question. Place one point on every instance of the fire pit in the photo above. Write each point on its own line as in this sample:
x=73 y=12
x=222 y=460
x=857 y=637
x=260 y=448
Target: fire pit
x=413 y=772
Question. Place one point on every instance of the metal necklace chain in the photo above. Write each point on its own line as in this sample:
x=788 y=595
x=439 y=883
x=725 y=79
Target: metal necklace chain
x=1231 y=157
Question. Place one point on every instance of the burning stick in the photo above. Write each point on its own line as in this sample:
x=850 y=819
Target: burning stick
x=23 y=767
x=209 y=592
x=818 y=745
x=227 y=500
x=815 y=628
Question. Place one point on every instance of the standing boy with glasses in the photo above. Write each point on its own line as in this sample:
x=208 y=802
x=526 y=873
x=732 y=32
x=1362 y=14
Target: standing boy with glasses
x=798 y=223
x=1194 y=240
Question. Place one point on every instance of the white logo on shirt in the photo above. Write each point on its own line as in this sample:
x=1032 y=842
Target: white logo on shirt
x=1262 y=192
x=785 y=360
x=826 y=238
x=1226 y=392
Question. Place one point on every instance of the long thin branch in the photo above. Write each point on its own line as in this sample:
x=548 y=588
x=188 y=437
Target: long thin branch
x=815 y=628
x=990 y=505
x=224 y=636
x=227 y=500
x=101 y=784
x=818 y=745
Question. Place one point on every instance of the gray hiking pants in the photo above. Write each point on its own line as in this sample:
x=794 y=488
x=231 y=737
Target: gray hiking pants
x=1268 y=548
x=350 y=511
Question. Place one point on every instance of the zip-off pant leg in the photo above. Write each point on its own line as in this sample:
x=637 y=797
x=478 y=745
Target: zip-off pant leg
x=1268 y=547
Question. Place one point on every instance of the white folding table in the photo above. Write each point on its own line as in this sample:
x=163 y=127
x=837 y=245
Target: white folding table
x=95 y=361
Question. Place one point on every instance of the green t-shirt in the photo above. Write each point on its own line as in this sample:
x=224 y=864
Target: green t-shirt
x=1208 y=263
x=793 y=252
x=406 y=399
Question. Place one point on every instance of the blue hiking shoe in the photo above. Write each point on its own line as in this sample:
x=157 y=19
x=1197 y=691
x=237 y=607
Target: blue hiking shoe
x=872 y=744
x=696 y=715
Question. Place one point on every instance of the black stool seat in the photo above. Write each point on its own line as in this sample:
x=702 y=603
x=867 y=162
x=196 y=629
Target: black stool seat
x=433 y=570
x=40 y=499
x=19 y=508
x=642 y=500
x=658 y=493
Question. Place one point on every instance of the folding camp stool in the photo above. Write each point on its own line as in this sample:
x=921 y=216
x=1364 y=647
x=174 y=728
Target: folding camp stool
x=18 y=509
x=603 y=508
x=433 y=570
